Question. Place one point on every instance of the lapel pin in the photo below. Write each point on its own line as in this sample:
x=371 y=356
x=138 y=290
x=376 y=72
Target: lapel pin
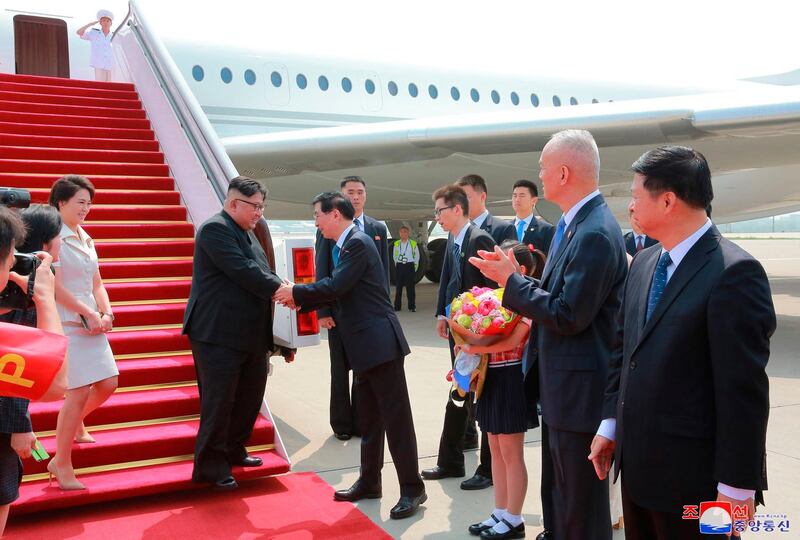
x=569 y=234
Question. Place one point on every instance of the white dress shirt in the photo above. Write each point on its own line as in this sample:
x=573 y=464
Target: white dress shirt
x=478 y=221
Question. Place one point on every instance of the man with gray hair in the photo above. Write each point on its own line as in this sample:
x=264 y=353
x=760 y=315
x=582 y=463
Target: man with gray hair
x=574 y=307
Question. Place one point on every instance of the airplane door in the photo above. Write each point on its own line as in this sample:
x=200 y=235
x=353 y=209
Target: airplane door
x=40 y=46
x=277 y=86
x=370 y=88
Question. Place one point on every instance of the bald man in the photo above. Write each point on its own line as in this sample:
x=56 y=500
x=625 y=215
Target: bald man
x=574 y=307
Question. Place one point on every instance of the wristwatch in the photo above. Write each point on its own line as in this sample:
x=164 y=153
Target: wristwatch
x=109 y=314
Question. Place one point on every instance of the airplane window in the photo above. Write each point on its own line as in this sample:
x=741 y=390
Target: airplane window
x=433 y=91
x=276 y=79
x=495 y=97
x=346 y=84
x=573 y=101
x=534 y=100
x=392 y=88
x=226 y=75
x=250 y=77
x=302 y=82
x=455 y=94
x=594 y=100
x=369 y=86
x=323 y=83
x=475 y=95
x=514 y=98
x=413 y=91
x=556 y=101
x=198 y=73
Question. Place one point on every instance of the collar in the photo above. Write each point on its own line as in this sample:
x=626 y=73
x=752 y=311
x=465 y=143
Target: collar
x=343 y=236
x=459 y=238
x=678 y=253
x=66 y=232
x=478 y=221
x=528 y=220
x=572 y=212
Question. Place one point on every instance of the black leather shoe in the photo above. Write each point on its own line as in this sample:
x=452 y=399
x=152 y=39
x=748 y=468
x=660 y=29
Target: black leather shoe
x=477 y=528
x=226 y=484
x=412 y=310
x=398 y=309
x=342 y=436
x=476 y=482
x=249 y=461
x=545 y=535
x=437 y=473
x=514 y=532
x=357 y=492
x=407 y=506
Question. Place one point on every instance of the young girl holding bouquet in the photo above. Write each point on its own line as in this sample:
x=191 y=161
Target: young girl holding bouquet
x=502 y=414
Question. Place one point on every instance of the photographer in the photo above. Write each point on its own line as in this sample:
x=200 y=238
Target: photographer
x=16 y=436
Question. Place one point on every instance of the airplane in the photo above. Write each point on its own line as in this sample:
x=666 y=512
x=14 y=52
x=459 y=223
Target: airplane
x=301 y=123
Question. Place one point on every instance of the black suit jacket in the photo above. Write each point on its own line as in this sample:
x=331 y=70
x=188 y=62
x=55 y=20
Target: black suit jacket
x=574 y=308
x=689 y=388
x=540 y=234
x=499 y=229
x=474 y=239
x=365 y=317
x=630 y=243
x=230 y=303
x=324 y=263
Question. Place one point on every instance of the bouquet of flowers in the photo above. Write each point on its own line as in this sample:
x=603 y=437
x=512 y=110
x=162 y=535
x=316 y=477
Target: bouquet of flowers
x=476 y=317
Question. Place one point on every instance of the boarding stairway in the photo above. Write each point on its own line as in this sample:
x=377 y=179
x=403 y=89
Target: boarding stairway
x=141 y=226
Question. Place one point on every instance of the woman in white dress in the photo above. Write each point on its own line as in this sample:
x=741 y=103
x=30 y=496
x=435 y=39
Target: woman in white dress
x=85 y=312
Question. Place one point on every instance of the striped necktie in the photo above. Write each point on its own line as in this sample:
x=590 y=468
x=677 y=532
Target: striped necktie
x=658 y=284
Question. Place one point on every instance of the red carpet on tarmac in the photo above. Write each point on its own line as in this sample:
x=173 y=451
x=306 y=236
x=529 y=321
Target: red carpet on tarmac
x=290 y=507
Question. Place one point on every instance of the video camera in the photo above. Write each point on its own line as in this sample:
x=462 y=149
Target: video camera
x=12 y=297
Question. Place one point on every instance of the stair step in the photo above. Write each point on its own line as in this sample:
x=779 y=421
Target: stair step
x=127 y=250
x=67 y=91
x=143 y=230
x=45 y=181
x=162 y=369
x=83 y=167
x=139 y=443
x=121 y=407
x=122 y=484
x=105 y=132
x=148 y=341
x=148 y=314
x=42 y=141
x=80 y=154
x=30 y=97
x=71 y=83
x=125 y=292
x=145 y=269
x=70 y=110
x=106 y=196
x=67 y=120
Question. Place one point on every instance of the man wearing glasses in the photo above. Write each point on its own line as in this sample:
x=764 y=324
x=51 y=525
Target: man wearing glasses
x=229 y=323
x=451 y=211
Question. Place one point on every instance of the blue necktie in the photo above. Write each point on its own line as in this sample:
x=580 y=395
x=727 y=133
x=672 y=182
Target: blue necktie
x=520 y=230
x=336 y=251
x=557 y=236
x=457 y=261
x=358 y=224
x=658 y=285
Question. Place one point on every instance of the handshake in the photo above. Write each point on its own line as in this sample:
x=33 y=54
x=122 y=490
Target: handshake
x=283 y=295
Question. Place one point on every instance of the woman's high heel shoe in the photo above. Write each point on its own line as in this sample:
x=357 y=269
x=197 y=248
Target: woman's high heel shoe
x=83 y=436
x=65 y=485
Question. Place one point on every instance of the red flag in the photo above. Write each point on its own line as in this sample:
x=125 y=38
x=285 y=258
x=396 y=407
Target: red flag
x=29 y=360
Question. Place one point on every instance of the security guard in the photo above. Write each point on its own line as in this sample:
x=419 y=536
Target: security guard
x=406 y=260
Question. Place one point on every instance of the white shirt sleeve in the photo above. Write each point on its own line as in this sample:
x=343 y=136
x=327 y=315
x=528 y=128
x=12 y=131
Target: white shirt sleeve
x=608 y=428
x=736 y=493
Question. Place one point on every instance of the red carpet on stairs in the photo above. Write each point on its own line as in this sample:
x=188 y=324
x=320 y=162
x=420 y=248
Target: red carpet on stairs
x=292 y=507
x=145 y=432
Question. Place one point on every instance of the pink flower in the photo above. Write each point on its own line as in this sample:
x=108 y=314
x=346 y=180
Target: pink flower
x=486 y=306
x=469 y=308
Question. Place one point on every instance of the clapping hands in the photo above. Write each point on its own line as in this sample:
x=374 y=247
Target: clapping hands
x=284 y=295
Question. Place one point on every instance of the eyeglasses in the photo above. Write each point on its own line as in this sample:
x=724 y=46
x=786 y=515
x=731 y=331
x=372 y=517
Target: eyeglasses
x=437 y=211
x=256 y=206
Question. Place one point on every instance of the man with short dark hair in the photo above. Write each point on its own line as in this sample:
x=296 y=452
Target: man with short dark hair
x=530 y=230
x=376 y=348
x=229 y=323
x=475 y=187
x=405 y=255
x=451 y=211
x=636 y=240
x=687 y=403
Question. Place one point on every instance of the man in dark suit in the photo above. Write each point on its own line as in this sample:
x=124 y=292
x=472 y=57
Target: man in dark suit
x=376 y=347
x=636 y=240
x=528 y=229
x=574 y=307
x=343 y=408
x=688 y=395
x=229 y=323
x=451 y=211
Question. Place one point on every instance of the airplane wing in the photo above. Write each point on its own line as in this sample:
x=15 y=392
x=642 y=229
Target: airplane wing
x=739 y=132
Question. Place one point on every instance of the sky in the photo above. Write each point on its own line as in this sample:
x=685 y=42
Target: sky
x=678 y=41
